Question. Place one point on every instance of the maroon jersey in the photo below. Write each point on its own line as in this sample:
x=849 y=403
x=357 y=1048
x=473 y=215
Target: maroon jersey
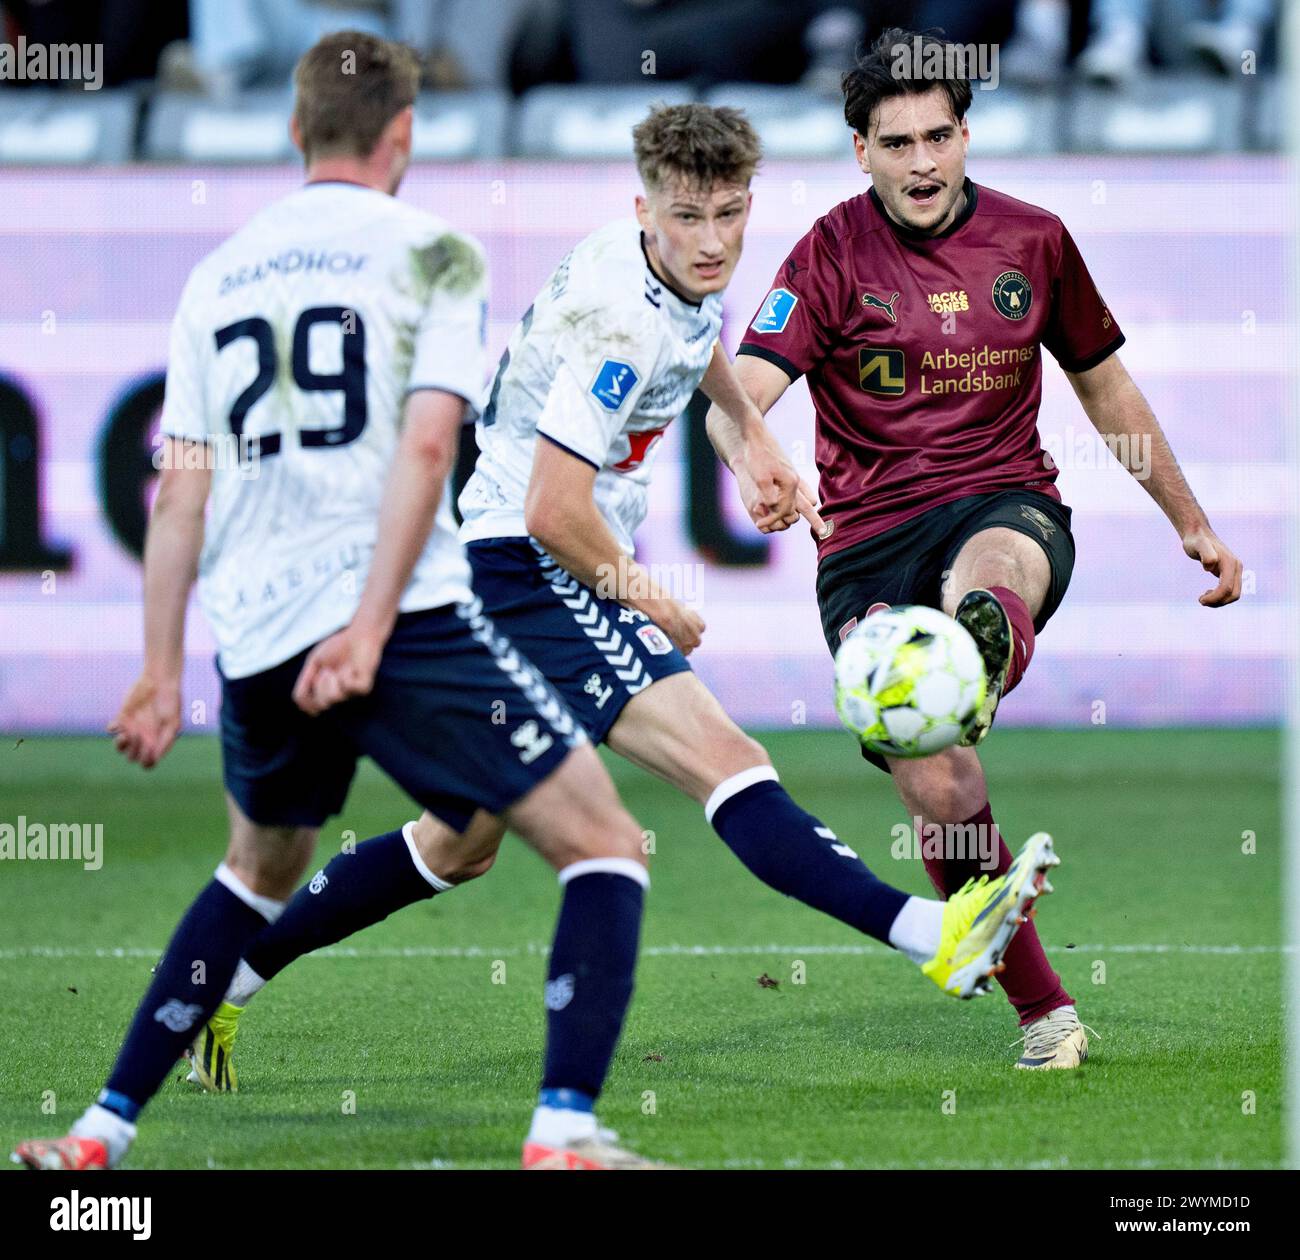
x=922 y=352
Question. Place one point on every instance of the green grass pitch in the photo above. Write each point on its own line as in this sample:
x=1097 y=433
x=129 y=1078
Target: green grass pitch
x=401 y=1049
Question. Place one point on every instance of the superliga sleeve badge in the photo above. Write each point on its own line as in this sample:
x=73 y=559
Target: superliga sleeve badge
x=775 y=312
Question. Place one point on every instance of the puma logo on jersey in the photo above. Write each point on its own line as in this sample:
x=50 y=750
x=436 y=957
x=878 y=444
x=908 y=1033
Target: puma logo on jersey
x=870 y=299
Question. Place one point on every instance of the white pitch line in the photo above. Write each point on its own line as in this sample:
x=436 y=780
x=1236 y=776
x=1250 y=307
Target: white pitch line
x=650 y=951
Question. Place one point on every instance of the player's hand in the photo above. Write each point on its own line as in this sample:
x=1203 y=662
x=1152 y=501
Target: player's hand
x=337 y=669
x=774 y=494
x=1218 y=558
x=149 y=720
x=684 y=626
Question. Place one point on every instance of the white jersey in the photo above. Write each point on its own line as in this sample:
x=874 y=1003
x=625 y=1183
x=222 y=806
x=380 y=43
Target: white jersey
x=295 y=345
x=602 y=362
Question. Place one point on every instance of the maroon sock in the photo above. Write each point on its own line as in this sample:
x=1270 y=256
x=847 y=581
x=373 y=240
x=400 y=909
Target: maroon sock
x=1031 y=985
x=1022 y=634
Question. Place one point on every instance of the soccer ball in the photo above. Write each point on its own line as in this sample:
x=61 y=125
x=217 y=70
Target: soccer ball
x=908 y=681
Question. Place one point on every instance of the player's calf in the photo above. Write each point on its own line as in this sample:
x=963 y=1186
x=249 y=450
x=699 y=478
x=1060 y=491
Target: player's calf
x=575 y=820
x=216 y=929
x=677 y=729
x=946 y=786
x=947 y=793
x=357 y=888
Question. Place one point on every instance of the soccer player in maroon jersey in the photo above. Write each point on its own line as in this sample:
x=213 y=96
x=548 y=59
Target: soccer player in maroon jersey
x=917 y=311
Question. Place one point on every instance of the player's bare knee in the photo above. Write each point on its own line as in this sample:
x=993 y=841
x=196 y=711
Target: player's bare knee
x=622 y=837
x=717 y=748
x=744 y=752
x=458 y=857
x=467 y=871
x=594 y=831
x=997 y=568
x=269 y=861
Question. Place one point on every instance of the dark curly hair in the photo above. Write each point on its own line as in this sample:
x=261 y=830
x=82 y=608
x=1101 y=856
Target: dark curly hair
x=889 y=68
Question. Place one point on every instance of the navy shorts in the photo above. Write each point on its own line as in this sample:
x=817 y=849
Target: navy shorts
x=457 y=717
x=595 y=652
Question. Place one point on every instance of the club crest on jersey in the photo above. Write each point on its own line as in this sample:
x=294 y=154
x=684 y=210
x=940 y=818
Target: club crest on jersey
x=656 y=642
x=1012 y=295
x=615 y=380
x=879 y=304
x=775 y=312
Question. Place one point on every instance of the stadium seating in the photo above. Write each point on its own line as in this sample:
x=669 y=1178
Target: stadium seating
x=191 y=129
x=457 y=126
x=49 y=128
x=587 y=122
x=1164 y=113
x=792 y=122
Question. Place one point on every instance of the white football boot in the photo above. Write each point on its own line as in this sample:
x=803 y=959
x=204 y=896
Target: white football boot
x=1056 y=1040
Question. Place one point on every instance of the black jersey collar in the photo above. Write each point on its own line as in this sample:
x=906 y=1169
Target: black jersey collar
x=911 y=234
x=668 y=284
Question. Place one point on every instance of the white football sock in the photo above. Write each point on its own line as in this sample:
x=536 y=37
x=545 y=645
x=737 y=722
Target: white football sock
x=245 y=983
x=559 y=1126
x=107 y=1127
x=918 y=929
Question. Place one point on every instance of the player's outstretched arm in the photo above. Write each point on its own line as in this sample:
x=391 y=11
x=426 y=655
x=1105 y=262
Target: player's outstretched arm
x=742 y=394
x=1118 y=411
x=560 y=512
x=344 y=664
x=149 y=720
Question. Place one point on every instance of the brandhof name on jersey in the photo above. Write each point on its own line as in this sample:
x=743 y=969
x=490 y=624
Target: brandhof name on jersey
x=299 y=338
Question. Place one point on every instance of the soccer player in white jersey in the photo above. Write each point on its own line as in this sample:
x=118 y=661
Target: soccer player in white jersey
x=609 y=353
x=337 y=337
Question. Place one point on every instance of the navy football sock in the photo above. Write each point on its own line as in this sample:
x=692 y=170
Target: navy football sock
x=352 y=892
x=791 y=851
x=589 y=981
x=187 y=987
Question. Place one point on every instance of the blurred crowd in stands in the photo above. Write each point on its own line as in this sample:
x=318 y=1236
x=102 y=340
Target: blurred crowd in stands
x=216 y=48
